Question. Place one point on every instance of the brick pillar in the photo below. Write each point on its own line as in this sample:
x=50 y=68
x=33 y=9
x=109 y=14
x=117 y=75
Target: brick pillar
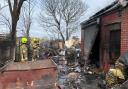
x=82 y=42
x=124 y=31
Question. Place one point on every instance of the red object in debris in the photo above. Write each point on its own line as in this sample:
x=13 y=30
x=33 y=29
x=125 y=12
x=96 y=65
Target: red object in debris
x=106 y=68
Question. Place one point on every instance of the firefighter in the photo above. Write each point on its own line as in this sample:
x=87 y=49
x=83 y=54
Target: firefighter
x=35 y=48
x=23 y=49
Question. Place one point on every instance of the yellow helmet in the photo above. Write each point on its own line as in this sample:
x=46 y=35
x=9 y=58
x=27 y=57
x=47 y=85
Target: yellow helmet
x=35 y=40
x=24 y=40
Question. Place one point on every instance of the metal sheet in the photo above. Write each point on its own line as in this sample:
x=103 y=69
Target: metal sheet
x=90 y=34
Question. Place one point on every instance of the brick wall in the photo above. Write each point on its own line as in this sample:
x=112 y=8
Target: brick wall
x=124 y=31
x=82 y=42
x=114 y=17
x=106 y=19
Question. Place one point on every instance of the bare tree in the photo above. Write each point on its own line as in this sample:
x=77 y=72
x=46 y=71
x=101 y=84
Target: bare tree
x=4 y=19
x=26 y=17
x=53 y=17
x=15 y=9
x=71 y=12
x=61 y=15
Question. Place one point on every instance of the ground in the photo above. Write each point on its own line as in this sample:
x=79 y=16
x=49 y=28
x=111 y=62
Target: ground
x=82 y=81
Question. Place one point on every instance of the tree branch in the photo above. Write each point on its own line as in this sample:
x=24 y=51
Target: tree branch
x=19 y=6
x=10 y=6
x=6 y=22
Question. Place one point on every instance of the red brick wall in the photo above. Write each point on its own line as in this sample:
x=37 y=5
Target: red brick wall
x=106 y=19
x=82 y=42
x=124 y=31
x=10 y=77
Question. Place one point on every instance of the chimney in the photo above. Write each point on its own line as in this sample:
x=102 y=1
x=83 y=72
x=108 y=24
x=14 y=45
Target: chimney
x=123 y=2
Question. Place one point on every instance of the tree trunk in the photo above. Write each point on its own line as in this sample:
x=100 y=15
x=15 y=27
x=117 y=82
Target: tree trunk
x=67 y=32
x=13 y=38
x=63 y=39
x=28 y=45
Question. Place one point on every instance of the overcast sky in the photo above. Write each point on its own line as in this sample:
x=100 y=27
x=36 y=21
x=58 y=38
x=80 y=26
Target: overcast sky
x=93 y=7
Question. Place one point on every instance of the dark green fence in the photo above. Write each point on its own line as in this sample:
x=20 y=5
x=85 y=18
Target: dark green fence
x=5 y=46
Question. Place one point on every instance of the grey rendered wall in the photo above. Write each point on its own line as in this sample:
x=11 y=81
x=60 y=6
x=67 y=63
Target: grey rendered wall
x=90 y=34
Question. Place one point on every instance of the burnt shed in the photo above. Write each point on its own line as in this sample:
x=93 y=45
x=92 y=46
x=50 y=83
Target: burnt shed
x=104 y=37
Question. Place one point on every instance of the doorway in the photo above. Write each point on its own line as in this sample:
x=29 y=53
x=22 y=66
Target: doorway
x=114 y=47
x=94 y=54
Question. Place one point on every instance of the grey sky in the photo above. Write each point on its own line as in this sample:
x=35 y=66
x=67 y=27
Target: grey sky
x=93 y=7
